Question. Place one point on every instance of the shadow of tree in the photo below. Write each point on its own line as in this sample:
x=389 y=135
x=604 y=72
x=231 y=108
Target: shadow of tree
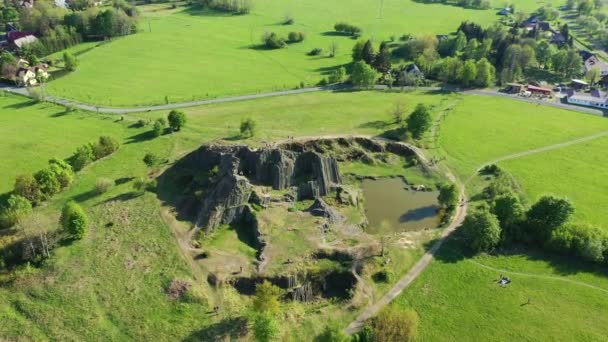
x=226 y=329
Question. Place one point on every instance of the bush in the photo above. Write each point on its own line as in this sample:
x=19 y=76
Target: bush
x=315 y=52
x=289 y=20
x=143 y=184
x=395 y=325
x=16 y=208
x=63 y=171
x=159 y=127
x=273 y=41
x=419 y=121
x=48 y=183
x=481 y=230
x=70 y=61
x=248 y=128
x=74 y=220
x=102 y=185
x=105 y=146
x=338 y=75
x=587 y=242
x=296 y=37
x=151 y=159
x=82 y=157
x=348 y=29
x=177 y=120
x=26 y=186
x=383 y=276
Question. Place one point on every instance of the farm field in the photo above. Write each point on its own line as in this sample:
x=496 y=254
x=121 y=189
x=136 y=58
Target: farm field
x=182 y=54
x=458 y=299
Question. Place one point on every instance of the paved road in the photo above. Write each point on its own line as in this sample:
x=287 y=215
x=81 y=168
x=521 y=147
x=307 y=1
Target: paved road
x=115 y=110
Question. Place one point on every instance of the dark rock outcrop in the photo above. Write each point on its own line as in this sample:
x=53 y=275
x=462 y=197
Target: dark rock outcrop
x=322 y=209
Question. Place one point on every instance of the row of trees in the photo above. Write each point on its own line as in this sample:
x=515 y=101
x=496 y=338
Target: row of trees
x=478 y=4
x=230 y=6
x=504 y=219
x=348 y=29
x=88 y=153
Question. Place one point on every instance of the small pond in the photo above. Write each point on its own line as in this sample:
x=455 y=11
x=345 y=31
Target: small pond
x=390 y=206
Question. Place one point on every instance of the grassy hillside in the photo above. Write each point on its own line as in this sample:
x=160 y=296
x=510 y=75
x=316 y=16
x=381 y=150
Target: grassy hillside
x=459 y=299
x=184 y=54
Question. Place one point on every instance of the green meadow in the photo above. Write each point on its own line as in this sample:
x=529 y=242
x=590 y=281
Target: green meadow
x=184 y=54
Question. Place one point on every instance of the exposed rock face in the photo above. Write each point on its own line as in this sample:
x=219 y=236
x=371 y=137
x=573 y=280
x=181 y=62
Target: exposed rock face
x=322 y=209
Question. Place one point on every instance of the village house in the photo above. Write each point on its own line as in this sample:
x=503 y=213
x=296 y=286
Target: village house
x=16 y=40
x=577 y=84
x=534 y=90
x=594 y=62
x=595 y=99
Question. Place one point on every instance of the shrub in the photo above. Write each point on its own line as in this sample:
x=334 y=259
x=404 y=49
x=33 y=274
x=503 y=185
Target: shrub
x=177 y=120
x=105 y=146
x=74 y=220
x=266 y=299
x=26 y=186
x=70 y=61
x=589 y=243
x=273 y=41
x=48 y=182
x=248 y=128
x=36 y=94
x=315 y=52
x=102 y=185
x=142 y=184
x=289 y=20
x=296 y=37
x=348 y=29
x=82 y=157
x=383 y=276
x=333 y=333
x=448 y=195
x=15 y=209
x=395 y=325
x=419 y=121
x=338 y=75
x=159 y=127
x=63 y=171
x=151 y=159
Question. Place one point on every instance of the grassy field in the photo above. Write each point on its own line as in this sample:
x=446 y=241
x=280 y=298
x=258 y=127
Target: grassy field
x=459 y=300
x=185 y=55
x=582 y=176
x=480 y=129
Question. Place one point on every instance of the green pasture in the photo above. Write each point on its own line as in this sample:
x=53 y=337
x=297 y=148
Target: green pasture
x=184 y=54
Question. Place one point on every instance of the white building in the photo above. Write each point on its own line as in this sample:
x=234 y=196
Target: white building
x=594 y=99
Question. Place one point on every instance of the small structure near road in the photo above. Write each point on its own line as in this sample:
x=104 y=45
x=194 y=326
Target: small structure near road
x=579 y=84
x=534 y=90
x=514 y=88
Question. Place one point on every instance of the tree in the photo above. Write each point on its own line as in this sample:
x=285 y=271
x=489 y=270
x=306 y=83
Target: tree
x=102 y=185
x=471 y=51
x=368 y=53
x=460 y=42
x=510 y=214
x=357 y=53
x=333 y=49
x=363 y=75
x=266 y=298
x=82 y=157
x=332 y=333
x=546 y=215
x=105 y=147
x=394 y=325
x=544 y=51
x=16 y=208
x=159 y=127
x=248 y=127
x=48 y=182
x=177 y=120
x=70 y=61
x=419 y=121
x=151 y=159
x=397 y=112
x=265 y=327
x=338 y=75
x=26 y=186
x=448 y=195
x=74 y=220
x=273 y=41
x=486 y=73
x=296 y=37
x=469 y=73
x=585 y=7
x=382 y=62
x=593 y=75
x=481 y=230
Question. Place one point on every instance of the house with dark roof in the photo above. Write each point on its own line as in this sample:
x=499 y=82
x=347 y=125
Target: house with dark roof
x=17 y=40
x=413 y=71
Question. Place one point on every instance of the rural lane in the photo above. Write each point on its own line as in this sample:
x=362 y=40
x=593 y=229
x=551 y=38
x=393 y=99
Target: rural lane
x=170 y=106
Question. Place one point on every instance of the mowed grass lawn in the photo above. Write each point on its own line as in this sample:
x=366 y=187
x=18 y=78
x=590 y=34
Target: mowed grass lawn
x=185 y=55
x=578 y=172
x=459 y=300
x=480 y=129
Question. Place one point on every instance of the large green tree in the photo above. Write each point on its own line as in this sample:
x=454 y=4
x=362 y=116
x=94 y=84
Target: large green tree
x=481 y=230
x=74 y=220
x=448 y=195
x=546 y=215
x=363 y=75
x=419 y=121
